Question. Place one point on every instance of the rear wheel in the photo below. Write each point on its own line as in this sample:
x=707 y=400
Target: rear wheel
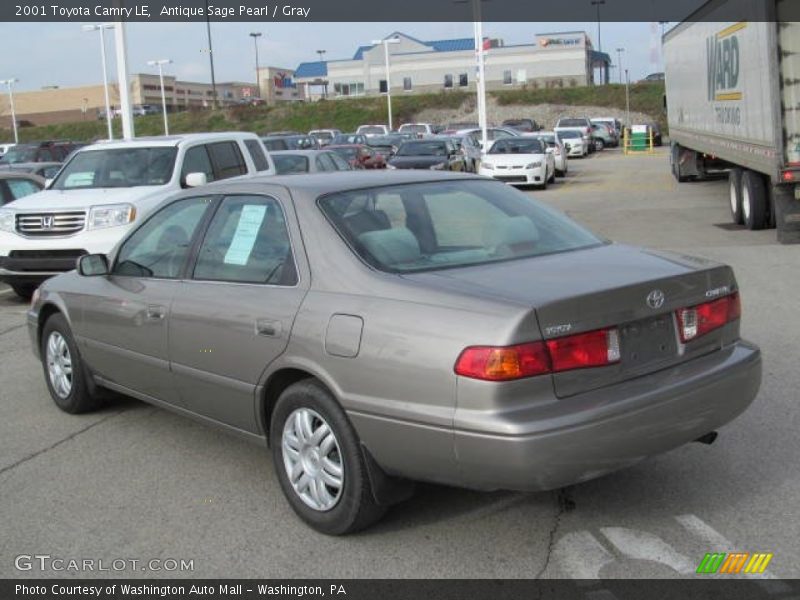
x=64 y=371
x=319 y=463
x=754 y=200
x=599 y=144
x=735 y=195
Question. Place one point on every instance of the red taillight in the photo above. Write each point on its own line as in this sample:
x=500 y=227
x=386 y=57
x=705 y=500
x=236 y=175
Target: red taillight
x=787 y=176
x=503 y=363
x=593 y=349
x=492 y=363
x=699 y=320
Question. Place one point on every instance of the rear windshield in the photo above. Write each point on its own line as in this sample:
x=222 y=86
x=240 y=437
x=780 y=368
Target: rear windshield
x=518 y=146
x=322 y=135
x=447 y=224
x=572 y=123
x=413 y=129
x=19 y=154
x=569 y=134
x=368 y=130
x=118 y=168
x=550 y=140
x=423 y=149
x=290 y=163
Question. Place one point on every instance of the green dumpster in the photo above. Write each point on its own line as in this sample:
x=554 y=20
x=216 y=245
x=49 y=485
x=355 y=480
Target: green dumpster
x=640 y=139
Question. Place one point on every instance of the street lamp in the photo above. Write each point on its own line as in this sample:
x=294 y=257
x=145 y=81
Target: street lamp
x=211 y=59
x=477 y=30
x=325 y=85
x=619 y=62
x=386 y=43
x=10 y=83
x=160 y=63
x=627 y=98
x=255 y=37
x=598 y=3
x=101 y=28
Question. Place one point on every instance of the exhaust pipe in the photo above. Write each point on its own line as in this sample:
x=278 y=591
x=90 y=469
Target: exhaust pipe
x=708 y=438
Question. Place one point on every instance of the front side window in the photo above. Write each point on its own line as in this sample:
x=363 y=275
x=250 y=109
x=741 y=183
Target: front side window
x=248 y=242
x=435 y=225
x=257 y=154
x=340 y=163
x=196 y=160
x=227 y=159
x=160 y=247
x=324 y=163
x=120 y=167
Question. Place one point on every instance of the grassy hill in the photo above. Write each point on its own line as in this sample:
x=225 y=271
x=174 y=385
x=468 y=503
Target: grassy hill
x=348 y=114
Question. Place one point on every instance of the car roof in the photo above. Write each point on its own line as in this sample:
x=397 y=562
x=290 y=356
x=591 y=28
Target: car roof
x=11 y=174
x=171 y=140
x=311 y=152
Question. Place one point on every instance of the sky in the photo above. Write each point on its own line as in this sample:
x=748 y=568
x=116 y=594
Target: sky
x=61 y=54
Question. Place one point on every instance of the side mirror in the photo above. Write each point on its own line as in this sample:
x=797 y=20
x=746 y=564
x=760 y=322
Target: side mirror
x=196 y=180
x=93 y=265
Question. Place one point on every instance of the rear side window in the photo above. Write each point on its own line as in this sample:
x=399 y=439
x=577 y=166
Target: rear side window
x=247 y=242
x=324 y=163
x=340 y=163
x=257 y=154
x=197 y=161
x=227 y=159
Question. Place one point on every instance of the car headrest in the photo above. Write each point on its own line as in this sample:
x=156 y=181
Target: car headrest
x=392 y=246
x=509 y=232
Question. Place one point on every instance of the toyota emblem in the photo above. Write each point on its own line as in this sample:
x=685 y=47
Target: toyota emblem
x=655 y=299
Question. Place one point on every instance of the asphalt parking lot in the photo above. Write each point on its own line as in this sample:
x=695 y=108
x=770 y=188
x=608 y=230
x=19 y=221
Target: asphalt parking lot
x=136 y=482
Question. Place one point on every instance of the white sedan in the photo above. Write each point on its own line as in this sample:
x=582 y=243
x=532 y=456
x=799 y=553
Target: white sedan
x=574 y=143
x=556 y=148
x=520 y=161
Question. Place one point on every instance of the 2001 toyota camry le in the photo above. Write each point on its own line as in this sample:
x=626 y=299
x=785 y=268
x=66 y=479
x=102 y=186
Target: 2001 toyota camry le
x=377 y=329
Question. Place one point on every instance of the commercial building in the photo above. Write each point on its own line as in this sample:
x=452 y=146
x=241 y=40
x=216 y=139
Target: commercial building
x=278 y=85
x=55 y=104
x=564 y=59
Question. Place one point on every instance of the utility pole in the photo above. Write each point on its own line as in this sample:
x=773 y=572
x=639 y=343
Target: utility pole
x=386 y=43
x=619 y=62
x=627 y=99
x=255 y=37
x=101 y=28
x=325 y=85
x=10 y=83
x=160 y=64
x=211 y=60
x=598 y=3
x=121 y=46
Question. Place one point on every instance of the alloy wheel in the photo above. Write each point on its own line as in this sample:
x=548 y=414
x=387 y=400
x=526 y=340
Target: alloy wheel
x=59 y=364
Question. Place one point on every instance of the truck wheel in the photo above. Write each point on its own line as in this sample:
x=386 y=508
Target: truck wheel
x=735 y=193
x=754 y=200
x=319 y=463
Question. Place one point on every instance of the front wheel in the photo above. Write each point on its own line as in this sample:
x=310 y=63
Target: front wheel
x=64 y=372
x=319 y=463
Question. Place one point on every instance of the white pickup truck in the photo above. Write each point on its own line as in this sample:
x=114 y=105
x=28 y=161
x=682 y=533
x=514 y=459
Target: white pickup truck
x=107 y=188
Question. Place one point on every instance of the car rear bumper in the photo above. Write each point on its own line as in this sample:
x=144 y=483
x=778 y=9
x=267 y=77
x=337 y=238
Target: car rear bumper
x=595 y=433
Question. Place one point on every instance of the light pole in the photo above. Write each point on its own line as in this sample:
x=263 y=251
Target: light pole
x=255 y=37
x=597 y=3
x=386 y=43
x=627 y=99
x=325 y=85
x=121 y=53
x=10 y=83
x=619 y=62
x=160 y=63
x=211 y=59
x=101 y=28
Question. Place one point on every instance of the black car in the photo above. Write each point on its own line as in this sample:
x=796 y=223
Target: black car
x=428 y=154
x=388 y=144
x=50 y=151
x=524 y=125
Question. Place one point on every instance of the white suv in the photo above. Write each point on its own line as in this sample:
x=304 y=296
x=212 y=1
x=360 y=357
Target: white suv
x=104 y=189
x=373 y=130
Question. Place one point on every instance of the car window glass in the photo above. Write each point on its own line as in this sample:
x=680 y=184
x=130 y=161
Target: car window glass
x=290 y=163
x=257 y=154
x=197 y=161
x=120 y=167
x=20 y=188
x=247 y=242
x=324 y=163
x=46 y=155
x=227 y=159
x=340 y=163
x=159 y=248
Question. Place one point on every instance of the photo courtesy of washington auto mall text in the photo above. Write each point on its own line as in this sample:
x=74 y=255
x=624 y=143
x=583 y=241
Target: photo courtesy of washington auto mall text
x=399 y=299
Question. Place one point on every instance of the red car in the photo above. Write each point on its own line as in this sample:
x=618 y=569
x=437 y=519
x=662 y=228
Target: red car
x=359 y=156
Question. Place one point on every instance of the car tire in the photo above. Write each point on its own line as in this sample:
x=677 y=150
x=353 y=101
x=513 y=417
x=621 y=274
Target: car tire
x=24 y=291
x=552 y=177
x=735 y=195
x=560 y=173
x=599 y=145
x=754 y=200
x=66 y=375
x=301 y=412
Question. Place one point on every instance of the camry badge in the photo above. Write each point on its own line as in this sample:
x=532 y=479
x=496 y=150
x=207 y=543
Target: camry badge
x=655 y=299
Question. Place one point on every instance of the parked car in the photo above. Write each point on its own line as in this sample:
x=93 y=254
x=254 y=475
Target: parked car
x=50 y=151
x=292 y=162
x=46 y=170
x=324 y=136
x=423 y=327
x=106 y=189
x=142 y=110
x=301 y=142
x=15 y=185
x=558 y=150
x=253 y=101
x=455 y=126
x=574 y=142
x=344 y=139
x=582 y=125
x=359 y=156
x=418 y=130
x=275 y=143
x=5 y=148
x=520 y=161
x=468 y=147
x=615 y=124
x=659 y=76
x=370 y=130
x=492 y=134
x=428 y=154
x=522 y=125
x=387 y=145
x=602 y=136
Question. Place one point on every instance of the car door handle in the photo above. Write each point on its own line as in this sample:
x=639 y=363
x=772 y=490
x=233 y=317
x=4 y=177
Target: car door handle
x=268 y=327
x=155 y=312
